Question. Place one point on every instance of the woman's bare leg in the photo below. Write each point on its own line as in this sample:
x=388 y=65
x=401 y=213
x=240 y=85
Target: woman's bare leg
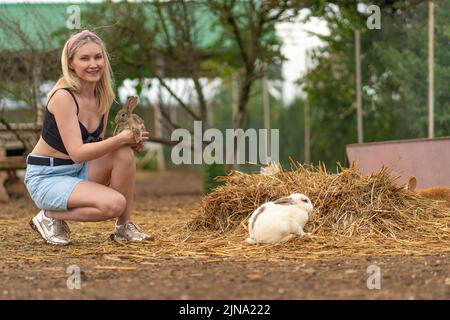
x=91 y=201
x=119 y=169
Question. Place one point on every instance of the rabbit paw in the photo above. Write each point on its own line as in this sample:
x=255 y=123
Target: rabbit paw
x=250 y=241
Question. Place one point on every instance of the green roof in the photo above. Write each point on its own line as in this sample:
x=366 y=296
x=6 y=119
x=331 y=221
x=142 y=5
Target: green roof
x=29 y=25
x=35 y=25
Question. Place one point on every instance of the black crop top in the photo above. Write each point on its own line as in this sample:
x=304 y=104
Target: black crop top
x=51 y=135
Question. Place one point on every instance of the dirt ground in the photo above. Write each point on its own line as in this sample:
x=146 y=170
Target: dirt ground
x=30 y=269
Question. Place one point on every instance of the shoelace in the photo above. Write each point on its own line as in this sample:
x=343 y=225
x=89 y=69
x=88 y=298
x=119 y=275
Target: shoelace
x=135 y=228
x=59 y=226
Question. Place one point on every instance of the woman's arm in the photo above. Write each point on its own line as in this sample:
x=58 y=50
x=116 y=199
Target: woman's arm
x=105 y=125
x=63 y=108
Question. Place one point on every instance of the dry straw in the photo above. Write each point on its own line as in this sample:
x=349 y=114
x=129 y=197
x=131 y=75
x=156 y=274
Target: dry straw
x=352 y=211
x=354 y=215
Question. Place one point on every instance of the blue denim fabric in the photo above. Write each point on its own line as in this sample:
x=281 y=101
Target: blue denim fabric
x=50 y=187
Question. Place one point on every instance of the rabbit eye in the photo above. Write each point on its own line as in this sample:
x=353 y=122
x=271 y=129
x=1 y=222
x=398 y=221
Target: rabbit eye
x=305 y=200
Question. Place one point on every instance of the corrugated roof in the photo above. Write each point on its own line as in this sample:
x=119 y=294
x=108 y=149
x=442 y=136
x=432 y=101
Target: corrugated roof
x=28 y=25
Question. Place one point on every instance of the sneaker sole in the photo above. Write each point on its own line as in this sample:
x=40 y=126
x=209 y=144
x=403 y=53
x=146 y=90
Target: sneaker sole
x=35 y=227
x=113 y=237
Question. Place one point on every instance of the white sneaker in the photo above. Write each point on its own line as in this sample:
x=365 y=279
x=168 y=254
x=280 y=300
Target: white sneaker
x=130 y=232
x=53 y=231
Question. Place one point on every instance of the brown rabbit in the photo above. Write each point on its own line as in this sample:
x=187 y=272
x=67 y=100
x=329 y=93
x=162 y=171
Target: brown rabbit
x=441 y=193
x=126 y=119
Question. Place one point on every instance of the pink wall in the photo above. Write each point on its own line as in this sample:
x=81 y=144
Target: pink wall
x=426 y=159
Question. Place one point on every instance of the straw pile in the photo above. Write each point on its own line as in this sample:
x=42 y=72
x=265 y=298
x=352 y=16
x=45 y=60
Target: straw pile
x=347 y=205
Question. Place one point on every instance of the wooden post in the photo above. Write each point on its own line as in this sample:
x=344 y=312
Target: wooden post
x=234 y=108
x=210 y=115
x=39 y=115
x=35 y=91
x=307 y=133
x=306 y=121
x=173 y=114
x=359 y=115
x=4 y=197
x=158 y=134
x=234 y=94
x=266 y=106
x=430 y=69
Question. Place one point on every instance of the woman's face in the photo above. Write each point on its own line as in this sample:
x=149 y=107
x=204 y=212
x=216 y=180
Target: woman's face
x=88 y=62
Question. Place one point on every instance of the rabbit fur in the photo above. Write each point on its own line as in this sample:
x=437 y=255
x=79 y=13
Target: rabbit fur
x=126 y=119
x=280 y=220
x=441 y=193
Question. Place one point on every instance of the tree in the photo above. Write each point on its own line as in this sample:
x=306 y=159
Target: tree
x=174 y=43
x=394 y=70
x=249 y=27
x=25 y=61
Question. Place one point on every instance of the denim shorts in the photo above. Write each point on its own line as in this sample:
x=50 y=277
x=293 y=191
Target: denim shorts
x=51 y=186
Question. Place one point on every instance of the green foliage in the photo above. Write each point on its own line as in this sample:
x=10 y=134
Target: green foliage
x=152 y=165
x=210 y=173
x=394 y=79
x=289 y=120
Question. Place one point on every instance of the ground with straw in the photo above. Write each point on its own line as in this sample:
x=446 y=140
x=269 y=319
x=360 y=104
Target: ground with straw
x=189 y=259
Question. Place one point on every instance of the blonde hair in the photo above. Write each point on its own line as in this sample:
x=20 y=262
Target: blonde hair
x=104 y=87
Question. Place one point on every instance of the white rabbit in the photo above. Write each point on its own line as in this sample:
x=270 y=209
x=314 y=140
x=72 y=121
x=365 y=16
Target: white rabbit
x=279 y=221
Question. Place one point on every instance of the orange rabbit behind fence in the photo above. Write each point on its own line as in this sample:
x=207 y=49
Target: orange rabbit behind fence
x=441 y=193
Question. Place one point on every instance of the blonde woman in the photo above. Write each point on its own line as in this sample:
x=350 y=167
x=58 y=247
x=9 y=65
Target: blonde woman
x=73 y=172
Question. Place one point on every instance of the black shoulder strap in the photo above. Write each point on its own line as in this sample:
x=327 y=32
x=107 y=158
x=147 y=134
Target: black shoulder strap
x=73 y=96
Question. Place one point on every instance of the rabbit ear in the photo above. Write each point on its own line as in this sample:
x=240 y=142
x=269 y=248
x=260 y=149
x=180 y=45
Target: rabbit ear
x=285 y=201
x=412 y=183
x=130 y=104
x=133 y=103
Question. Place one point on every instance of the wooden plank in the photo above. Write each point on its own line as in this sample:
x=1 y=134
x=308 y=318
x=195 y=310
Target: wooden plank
x=13 y=136
x=9 y=164
x=4 y=197
x=21 y=127
x=13 y=163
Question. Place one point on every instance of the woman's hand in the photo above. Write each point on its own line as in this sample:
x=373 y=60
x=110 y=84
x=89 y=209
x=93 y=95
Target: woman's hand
x=145 y=134
x=126 y=137
x=139 y=147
